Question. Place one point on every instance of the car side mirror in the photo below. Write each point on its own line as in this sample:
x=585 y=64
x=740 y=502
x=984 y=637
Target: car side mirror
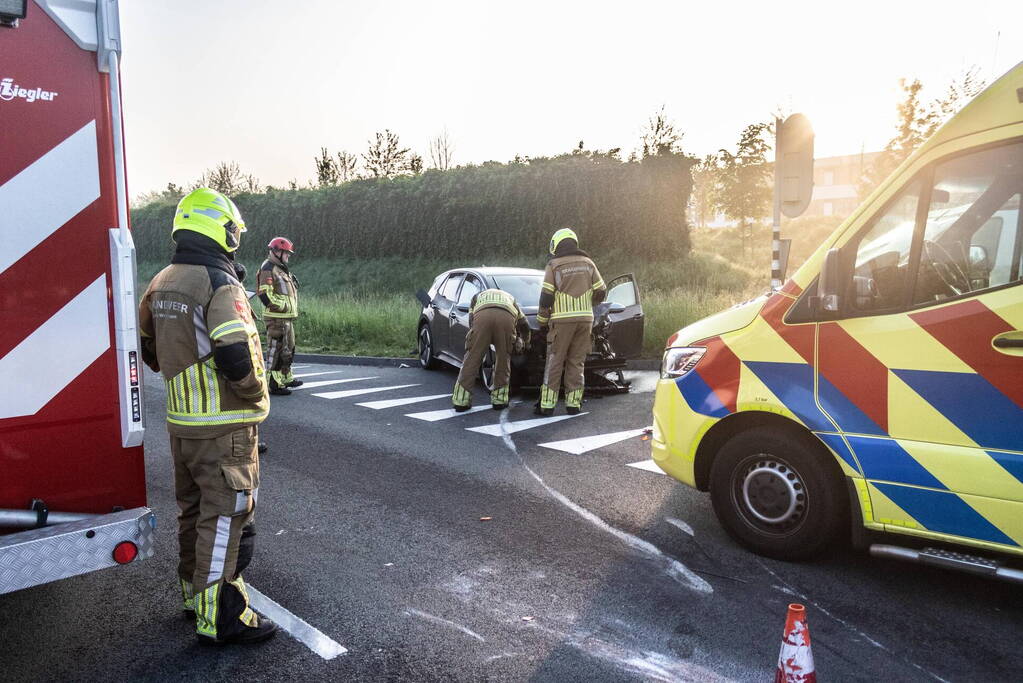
x=827 y=284
x=424 y=298
x=615 y=308
x=462 y=308
x=978 y=257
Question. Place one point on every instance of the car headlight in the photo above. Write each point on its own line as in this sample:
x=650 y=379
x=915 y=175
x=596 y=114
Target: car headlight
x=678 y=361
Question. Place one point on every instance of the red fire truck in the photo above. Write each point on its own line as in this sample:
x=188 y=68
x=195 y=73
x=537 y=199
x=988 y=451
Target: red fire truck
x=72 y=477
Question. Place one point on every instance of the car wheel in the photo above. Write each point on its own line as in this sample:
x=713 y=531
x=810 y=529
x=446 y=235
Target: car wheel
x=487 y=368
x=778 y=494
x=427 y=359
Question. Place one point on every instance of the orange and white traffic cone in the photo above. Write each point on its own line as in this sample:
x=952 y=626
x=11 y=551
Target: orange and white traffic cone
x=795 y=661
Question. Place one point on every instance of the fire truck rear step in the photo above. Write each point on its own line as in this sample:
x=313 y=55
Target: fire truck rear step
x=31 y=558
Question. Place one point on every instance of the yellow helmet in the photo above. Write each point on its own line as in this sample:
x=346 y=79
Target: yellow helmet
x=563 y=234
x=212 y=214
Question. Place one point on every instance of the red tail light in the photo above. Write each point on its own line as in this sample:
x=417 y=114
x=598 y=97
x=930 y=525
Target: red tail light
x=125 y=552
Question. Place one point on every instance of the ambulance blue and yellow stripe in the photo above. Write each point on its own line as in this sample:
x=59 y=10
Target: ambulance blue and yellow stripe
x=959 y=475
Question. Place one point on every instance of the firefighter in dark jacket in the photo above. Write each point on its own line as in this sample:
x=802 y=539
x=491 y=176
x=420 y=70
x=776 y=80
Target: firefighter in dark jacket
x=572 y=286
x=495 y=319
x=197 y=330
x=278 y=290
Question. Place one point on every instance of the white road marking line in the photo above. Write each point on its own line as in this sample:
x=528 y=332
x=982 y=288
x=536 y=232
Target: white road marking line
x=589 y=443
x=673 y=567
x=310 y=636
x=296 y=367
x=500 y=429
x=395 y=402
x=648 y=465
x=444 y=622
x=680 y=525
x=329 y=382
x=314 y=374
x=359 y=392
x=435 y=415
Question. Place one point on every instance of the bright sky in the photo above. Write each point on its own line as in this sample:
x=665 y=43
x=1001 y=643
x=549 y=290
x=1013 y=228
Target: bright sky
x=267 y=83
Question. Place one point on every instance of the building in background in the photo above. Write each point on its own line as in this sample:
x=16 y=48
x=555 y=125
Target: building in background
x=835 y=189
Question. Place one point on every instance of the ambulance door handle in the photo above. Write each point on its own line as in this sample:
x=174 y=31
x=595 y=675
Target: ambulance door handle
x=1009 y=343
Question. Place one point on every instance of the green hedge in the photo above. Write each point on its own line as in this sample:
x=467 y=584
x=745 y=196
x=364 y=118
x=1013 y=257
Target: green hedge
x=634 y=208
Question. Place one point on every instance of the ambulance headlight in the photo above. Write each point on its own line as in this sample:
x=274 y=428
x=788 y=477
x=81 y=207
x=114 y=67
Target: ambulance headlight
x=13 y=9
x=679 y=361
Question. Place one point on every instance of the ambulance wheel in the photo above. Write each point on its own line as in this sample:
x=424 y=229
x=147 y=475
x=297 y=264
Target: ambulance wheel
x=487 y=368
x=427 y=359
x=778 y=493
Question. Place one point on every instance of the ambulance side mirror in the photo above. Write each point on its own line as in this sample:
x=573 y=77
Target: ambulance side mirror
x=827 y=283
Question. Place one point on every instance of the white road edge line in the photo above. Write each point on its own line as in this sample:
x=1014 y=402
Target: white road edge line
x=308 y=635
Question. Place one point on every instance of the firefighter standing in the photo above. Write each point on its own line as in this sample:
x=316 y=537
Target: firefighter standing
x=197 y=329
x=278 y=290
x=494 y=319
x=572 y=286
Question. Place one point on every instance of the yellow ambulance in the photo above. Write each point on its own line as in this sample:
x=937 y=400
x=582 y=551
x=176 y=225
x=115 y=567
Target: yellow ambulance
x=883 y=383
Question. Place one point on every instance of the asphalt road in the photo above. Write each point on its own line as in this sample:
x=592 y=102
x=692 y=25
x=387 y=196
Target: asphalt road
x=588 y=569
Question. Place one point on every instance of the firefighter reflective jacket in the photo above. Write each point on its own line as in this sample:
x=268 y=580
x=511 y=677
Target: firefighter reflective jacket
x=277 y=290
x=197 y=330
x=571 y=287
x=498 y=298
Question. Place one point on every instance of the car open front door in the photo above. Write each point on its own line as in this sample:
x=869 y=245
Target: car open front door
x=626 y=334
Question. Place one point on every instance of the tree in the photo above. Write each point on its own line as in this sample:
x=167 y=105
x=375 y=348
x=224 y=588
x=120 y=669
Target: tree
x=660 y=136
x=415 y=164
x=703 y=200
x=326 y=169
x=744 y=180
x=334 y=171
x=346 y=163
x=385 y=157
x=227 y=178
x=916 y=121
x=442 y=151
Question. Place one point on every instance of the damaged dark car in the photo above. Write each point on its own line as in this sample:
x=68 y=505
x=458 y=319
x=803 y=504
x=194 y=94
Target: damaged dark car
x=444 y=323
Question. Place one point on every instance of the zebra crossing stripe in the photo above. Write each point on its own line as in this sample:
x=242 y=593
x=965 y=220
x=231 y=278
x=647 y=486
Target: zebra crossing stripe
x=331 y=382
x=447 y=413
x=358 y=392
x=314 y=374
x=500 y=429
x=589 y=443
x=648 y=465
x=395 y=402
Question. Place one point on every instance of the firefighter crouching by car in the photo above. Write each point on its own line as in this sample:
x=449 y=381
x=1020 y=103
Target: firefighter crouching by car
x=494 y=319
x=278 y=290
x=197 y=330
x=572 y=286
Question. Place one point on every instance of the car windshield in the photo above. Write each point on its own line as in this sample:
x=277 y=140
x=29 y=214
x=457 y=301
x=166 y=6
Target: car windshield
x=525 y=288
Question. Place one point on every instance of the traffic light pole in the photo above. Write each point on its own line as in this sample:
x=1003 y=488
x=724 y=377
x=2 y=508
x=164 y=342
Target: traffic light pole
x=776 y=224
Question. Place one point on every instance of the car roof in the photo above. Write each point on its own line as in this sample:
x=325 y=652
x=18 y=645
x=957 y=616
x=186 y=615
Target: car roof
x=490 y=271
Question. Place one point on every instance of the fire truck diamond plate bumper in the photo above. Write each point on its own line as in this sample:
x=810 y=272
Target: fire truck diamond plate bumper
x=31 y=558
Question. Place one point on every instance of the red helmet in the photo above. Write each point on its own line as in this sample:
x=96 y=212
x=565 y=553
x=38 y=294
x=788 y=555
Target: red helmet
x=282 y=243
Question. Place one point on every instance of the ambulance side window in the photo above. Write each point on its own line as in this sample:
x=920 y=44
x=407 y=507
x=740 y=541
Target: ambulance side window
x=972 y=236
x=880 y=274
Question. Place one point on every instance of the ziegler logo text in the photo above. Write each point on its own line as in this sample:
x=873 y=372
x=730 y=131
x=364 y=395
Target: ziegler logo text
x=9 y=90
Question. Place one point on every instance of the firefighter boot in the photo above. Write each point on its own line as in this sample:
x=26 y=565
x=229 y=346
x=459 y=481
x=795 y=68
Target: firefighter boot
x=278 y=389
x=223 y=616
x=187 y=599
x=294 y=383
